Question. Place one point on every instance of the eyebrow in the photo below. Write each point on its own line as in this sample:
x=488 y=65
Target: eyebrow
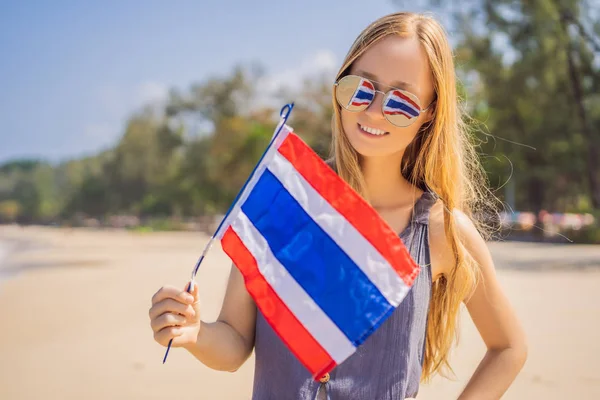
x=397 y=84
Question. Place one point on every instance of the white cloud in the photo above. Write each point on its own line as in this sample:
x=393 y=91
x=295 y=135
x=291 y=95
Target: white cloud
x=112 y=101
x=321 y=64
x=118 y=102
x=115 y=104
x=151 y=93
x=99 y=131
x=325 y=60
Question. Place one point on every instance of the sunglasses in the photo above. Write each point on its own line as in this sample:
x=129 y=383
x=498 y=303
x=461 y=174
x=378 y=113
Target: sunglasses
x=355 y=93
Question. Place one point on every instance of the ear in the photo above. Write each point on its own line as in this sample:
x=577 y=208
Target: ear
x=427 y=118
x=430 y=113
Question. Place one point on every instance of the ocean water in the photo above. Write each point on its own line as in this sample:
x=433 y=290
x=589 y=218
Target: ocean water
x=5 y=248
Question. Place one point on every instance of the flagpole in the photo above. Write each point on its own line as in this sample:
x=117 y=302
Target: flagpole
x=284 y=115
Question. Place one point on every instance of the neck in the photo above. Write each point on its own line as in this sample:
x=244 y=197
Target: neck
x=385 y=185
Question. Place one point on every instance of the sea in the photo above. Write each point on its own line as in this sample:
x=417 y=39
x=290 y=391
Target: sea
x=5 y=248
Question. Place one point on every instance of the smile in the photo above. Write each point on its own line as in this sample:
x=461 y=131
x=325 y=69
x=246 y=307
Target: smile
x=371 y=131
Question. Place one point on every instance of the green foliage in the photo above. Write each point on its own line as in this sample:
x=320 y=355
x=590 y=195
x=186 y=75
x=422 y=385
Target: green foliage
x=526 y=72
x=588 y=235
x=162 y=167
x=9 y=211
x=513 y=58
x=159 y=224
x=19 y=166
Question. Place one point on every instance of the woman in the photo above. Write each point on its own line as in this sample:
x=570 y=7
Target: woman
x=398 y=139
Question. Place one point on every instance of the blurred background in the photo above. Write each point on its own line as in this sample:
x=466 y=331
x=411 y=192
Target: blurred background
x=127 y=129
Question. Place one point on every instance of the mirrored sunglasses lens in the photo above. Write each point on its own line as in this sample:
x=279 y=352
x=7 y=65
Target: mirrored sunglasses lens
x=401 y=108
x=354 y=93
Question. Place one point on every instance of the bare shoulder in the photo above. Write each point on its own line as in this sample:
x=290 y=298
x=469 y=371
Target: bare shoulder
x=442 y=259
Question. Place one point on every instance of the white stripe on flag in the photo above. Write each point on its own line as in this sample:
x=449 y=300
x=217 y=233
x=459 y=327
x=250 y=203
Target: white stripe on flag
x=285 y=131
x=364 y=255
x=310 y=315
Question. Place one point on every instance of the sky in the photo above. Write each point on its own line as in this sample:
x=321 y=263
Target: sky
x=72 y=72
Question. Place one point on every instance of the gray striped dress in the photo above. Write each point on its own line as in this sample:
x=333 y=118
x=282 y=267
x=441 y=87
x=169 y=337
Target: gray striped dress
x=386 y=366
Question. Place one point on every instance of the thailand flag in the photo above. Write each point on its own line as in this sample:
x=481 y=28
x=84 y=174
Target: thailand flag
x=320 y=263
x=399 y=103
x=364 y=94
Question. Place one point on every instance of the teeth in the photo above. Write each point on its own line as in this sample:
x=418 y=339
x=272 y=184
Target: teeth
x=372 y=131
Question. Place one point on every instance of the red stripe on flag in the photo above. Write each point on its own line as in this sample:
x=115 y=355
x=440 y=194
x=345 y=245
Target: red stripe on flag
x=291 y=331
x=350 y=205
x=398 y=112
x=368 y=84
x=407 y=99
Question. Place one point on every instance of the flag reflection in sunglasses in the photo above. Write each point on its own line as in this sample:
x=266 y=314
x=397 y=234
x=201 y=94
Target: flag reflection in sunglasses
x=400 y=104
x=364 y=94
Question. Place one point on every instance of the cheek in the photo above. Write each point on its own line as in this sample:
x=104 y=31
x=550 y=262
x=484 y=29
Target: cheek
x=348 y=118
x=349 y=121
x=402 y=137
x=406 y=134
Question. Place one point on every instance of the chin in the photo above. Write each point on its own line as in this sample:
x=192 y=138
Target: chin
x=372 y=145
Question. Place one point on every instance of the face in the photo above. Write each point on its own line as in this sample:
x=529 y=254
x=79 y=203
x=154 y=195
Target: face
x=391 y=63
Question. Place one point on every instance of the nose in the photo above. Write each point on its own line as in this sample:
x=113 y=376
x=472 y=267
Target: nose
x=375 y=109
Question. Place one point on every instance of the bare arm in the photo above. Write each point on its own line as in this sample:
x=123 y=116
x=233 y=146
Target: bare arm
x=491 y=313
x=497 y=324
x=228 y=342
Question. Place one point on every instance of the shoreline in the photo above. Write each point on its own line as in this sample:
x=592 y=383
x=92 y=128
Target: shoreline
x=12 y=248
x=587 y=256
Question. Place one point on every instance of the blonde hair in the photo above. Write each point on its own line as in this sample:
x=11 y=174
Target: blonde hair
x=459 y=183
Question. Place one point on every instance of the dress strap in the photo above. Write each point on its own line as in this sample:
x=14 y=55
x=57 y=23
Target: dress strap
x=423 y=206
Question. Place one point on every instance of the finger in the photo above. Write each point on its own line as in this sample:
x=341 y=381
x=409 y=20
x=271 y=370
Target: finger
x=194 y=292
x=166 y=320
x=189 y=287
x=170 y=292
x=172 y=306
x=165 y=335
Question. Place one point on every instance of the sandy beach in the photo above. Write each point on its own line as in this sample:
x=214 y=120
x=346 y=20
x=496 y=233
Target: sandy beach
x=74 y=311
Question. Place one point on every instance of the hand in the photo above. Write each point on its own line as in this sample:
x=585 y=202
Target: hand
x=175 y=314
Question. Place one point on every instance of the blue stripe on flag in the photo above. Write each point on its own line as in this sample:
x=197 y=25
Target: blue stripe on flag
x=364 y=95
x=404 y=107
x=315 y=261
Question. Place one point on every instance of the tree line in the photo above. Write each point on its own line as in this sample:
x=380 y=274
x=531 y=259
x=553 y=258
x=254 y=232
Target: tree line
x=530 y=79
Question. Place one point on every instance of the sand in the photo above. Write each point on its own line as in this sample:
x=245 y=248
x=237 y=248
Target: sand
x=74 y=318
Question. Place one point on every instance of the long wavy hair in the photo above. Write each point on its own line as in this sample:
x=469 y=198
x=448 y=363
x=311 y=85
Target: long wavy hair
x=441 y=159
